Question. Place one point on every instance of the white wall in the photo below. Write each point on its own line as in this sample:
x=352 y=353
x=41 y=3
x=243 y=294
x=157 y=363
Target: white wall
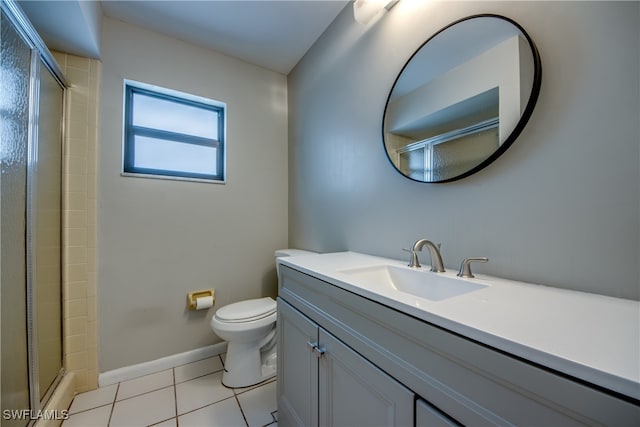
x=159 y=239
x=560 y=207
x=498 y=67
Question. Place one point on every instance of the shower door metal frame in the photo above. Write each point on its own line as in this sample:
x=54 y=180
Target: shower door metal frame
x=32 y=38
x=39 y=54
x=31 y=240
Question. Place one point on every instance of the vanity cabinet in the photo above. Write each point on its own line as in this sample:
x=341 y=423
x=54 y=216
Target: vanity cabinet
x=429 y=416
x=323 y=382
x=426 y=374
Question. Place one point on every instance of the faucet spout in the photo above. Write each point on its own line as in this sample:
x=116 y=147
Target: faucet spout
x=437 y=266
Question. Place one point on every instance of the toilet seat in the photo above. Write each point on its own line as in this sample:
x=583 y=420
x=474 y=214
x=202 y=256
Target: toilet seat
x=247 y=311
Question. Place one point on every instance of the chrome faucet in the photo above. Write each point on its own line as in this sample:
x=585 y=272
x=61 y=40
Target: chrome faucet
x=436 y=259
x=465 y=267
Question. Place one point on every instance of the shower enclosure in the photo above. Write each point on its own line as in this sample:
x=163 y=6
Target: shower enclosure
x=31 y=108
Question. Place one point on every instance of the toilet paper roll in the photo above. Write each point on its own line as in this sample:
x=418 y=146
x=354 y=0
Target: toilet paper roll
x=204 y=302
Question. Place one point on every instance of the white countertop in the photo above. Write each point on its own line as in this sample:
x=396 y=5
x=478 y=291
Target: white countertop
x=591 y=337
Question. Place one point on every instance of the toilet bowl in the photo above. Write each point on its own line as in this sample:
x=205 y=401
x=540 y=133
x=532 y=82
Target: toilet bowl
x=249 y=327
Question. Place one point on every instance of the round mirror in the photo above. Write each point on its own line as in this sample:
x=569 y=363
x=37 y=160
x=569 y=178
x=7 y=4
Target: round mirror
x=461 y=99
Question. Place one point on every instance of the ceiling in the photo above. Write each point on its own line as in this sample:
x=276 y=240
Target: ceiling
x=269 y=33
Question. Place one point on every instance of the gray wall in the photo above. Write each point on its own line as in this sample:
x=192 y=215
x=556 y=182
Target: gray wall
x=560 y=207
x=159 y=239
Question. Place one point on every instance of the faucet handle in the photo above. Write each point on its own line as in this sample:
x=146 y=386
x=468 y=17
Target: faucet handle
x=414 y=261
x=465 y=267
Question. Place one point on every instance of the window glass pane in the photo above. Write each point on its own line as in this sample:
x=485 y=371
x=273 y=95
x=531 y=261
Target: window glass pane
x=173 y=116
x=154 y=153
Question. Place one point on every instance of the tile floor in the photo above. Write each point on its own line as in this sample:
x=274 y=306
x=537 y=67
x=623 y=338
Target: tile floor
x=187 y=395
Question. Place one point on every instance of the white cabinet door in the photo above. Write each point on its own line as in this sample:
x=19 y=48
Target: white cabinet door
x=297 y=368
x=354 y=392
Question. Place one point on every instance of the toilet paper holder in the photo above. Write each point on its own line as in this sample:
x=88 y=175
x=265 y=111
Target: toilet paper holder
x=193 y=296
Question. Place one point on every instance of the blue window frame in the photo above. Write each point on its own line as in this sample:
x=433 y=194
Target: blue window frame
x=169 y=134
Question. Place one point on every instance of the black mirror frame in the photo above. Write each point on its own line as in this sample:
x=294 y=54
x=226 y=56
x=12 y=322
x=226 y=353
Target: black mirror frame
x=524 y=118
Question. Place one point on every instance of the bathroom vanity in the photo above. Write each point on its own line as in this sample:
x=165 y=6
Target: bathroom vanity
x=357 y=345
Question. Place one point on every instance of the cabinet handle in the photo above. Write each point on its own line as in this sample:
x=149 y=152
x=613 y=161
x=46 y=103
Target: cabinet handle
x=320 y=351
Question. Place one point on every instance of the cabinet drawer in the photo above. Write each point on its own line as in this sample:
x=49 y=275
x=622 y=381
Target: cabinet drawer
x=474 y=384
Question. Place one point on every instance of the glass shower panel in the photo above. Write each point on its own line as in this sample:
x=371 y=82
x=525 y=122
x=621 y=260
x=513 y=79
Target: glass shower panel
x=15 y=58
x=455 y=157
x=46 y=217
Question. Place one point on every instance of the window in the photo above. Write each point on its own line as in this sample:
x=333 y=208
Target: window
x=173 y=134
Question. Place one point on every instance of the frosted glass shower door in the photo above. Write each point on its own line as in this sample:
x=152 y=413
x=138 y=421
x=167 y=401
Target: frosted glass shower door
x=46 y=180
x=31 y=113
x=15 y=59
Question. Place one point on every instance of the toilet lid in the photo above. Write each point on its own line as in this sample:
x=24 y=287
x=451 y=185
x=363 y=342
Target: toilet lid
x=248 y=310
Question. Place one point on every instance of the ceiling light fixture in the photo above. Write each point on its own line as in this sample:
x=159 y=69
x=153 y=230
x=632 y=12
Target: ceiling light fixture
x=365 y=10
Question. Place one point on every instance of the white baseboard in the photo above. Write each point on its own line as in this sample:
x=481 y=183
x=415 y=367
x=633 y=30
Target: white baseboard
x=146 y=368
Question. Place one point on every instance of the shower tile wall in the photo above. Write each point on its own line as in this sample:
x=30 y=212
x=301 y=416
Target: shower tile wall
x=79 y=212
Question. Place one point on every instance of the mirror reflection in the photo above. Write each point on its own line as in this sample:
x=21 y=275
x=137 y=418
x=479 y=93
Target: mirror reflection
x=461 y=99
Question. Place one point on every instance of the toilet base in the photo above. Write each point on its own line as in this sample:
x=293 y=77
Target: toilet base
x=246 y=365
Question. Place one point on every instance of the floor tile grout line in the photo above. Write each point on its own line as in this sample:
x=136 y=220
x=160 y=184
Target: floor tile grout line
x=195 y=361
x=145 y=375
x=257 y=386
x=138 y=378
x=235 y=396
x=113 y=404
x=177 y=366
x=142 y=394
x=253 y=387
x=156 y=372
x=175 y=397
x=160 y=388
x=176 y=417
x=91 y=409
x=175 y=383
x=146 y=392
x=163 y=421
x=205 y=406
x=199 y=376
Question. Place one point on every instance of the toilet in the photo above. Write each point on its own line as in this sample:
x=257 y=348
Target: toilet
x=249 y=327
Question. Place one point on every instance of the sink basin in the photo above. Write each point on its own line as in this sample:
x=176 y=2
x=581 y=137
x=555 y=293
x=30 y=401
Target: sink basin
x=419 y=283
